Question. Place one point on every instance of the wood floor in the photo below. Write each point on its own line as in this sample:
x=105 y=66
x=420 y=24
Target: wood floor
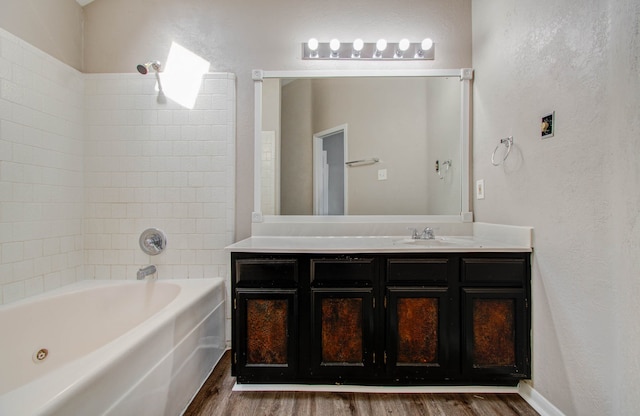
x=216 y=398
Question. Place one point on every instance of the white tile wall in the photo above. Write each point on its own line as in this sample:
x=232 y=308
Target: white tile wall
x=89 y=161
x=158 y=165
x=41 y=171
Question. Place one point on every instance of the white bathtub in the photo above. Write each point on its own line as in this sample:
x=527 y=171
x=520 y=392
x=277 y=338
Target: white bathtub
x=113 y=347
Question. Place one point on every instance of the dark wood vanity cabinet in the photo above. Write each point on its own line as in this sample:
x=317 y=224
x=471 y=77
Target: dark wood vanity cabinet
x=342 y=321
x=496 y=319
x=417 y=317
x=265 y=318
x=381 y=318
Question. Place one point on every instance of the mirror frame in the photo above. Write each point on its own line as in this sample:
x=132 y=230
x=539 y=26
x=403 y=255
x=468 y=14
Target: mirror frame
x=464 y=74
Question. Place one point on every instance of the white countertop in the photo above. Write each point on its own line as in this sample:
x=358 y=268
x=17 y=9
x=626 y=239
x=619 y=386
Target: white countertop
x=373 y=244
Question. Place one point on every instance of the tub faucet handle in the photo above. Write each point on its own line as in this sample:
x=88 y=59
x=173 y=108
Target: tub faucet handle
x=152 y=241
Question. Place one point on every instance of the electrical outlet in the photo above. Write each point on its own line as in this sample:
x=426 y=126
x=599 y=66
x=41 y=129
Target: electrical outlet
x=382 y=174
x=480 y=189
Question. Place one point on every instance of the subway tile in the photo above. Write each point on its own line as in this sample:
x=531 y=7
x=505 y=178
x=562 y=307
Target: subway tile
x=52 y=281
x=23 y=270
x=13 y=291
x=196 y=271
x=34 y=286
x=119 y=272
x=12 y=252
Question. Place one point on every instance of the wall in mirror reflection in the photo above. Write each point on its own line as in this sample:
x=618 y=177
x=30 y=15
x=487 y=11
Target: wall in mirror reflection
x=408 y=123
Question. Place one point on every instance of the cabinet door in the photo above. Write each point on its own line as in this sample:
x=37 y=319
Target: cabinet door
x=495 y=334
x=265 y=334
x=417 y=334
x=342 y=322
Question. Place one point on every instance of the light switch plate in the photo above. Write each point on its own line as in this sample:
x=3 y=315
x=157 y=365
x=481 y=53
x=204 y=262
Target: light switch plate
x=382 y=174
x=480 y=189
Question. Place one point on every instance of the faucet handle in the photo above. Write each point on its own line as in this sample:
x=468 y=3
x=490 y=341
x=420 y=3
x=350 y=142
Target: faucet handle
x=428 y=233
x=414 y=233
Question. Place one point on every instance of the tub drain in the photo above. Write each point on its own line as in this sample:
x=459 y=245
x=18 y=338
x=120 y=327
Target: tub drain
x=40 y=355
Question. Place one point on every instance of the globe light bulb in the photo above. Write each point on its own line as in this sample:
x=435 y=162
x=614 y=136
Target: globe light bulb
x=381 y=45
x=313 y=44
x=404 y=44
x=358 y=44
x=426 y=44
x=334 y=45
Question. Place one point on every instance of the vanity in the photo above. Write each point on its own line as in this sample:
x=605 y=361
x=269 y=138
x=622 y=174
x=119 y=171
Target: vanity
x=331 y=288
x=380 y=311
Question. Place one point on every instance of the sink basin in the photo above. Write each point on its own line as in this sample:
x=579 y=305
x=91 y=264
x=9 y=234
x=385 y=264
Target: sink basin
x=436 y=242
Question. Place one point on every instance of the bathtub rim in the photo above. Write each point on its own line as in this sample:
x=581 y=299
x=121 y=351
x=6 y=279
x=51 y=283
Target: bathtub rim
x=52 y=390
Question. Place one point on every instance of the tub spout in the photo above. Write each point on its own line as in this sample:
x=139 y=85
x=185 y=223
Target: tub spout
x=146 y=271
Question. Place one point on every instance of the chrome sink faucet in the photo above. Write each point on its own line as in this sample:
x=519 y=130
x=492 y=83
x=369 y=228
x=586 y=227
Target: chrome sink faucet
x=146 y=271
x=427 y=234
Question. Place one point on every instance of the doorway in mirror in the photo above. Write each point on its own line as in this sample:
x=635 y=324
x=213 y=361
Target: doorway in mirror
x=329 y=171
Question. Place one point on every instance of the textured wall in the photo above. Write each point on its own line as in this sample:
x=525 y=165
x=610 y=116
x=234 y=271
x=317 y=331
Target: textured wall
x=53 y=26
x=579 y=189
x=41 y=184
x=240 y=36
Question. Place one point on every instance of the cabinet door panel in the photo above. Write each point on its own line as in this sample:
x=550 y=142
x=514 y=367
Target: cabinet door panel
x=342 y=333
x=417 y=336
x=267 y=322
x=495 y=334
x=266 y=328
x=342 y=330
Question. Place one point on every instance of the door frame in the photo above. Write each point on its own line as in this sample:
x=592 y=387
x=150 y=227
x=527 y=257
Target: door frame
x=319 y=195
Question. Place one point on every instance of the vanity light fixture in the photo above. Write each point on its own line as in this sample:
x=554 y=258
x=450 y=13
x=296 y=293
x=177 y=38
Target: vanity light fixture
x=359 y=49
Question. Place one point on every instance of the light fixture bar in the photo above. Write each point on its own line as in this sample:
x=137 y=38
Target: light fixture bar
x=368 y=52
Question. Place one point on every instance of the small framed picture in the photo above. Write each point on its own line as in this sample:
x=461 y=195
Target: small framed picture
x=548 y=122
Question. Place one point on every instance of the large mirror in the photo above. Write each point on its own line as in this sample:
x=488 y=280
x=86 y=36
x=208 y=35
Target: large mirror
x=344 y=143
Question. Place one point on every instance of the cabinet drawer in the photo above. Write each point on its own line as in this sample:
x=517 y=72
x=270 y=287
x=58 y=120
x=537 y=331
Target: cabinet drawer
x=266 y=272
x=418 y=270
x=496 y=270
x=338 y=272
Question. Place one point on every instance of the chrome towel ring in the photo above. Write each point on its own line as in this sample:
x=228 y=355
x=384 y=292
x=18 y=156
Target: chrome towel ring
x=507 y=142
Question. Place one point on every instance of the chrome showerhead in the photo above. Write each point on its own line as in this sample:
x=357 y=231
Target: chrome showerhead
x=144 y=68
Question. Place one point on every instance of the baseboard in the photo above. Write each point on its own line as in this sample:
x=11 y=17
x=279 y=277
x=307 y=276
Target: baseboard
x=345 y=388
x=537 y=400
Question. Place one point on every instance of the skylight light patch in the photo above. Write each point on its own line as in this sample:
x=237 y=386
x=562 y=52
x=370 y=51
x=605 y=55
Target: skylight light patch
x=182 y=76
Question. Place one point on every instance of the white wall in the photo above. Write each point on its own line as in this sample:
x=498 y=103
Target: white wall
x=41 y=184
x=579 y=190
x=53 y=26
x=240 y=36
x=158 y=165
